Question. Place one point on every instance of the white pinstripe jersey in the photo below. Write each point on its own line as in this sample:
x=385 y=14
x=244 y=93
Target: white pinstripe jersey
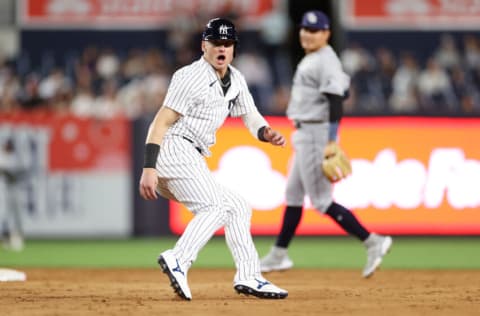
x=195 y=92
x=317 y=73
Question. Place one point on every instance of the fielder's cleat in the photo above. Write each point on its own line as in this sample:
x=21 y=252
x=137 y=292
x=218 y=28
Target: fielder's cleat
x=260 y=288
x=377 y=247
x=13 y=242
x=176 y=274
x=276 y=260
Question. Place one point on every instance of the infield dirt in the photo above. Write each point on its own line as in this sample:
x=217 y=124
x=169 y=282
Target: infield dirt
x=311 y=292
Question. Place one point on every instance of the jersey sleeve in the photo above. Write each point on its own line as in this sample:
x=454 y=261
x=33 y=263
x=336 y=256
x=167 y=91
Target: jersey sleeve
x=333 y=79
x=179 y=94
x=244 y=103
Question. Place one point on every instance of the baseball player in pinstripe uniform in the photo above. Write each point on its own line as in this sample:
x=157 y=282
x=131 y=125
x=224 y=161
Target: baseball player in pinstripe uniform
x=319 y=87
x=199 y=98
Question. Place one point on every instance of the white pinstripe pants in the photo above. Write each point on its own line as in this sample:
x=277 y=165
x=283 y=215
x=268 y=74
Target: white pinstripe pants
x=185 y=177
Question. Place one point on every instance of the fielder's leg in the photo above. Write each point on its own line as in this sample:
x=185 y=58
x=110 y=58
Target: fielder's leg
x=377 y=246
x=277 y=259
x=14 y=232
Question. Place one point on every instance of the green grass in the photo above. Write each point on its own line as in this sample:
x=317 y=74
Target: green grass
x=306 y=252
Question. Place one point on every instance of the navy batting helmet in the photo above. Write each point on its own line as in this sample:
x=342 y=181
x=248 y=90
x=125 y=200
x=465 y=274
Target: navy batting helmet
x=219 y=29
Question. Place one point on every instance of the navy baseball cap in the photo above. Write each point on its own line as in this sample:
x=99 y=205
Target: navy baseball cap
x=315 y=20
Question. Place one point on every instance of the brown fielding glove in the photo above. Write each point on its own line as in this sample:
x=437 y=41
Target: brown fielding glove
x=335 y=165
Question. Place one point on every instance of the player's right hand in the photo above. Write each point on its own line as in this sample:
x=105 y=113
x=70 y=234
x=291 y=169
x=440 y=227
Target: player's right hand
x=148 y=184
x=274 y=137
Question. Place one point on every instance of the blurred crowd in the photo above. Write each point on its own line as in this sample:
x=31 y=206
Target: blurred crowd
x=97 y=83
x=447 y=82
x=101 y=82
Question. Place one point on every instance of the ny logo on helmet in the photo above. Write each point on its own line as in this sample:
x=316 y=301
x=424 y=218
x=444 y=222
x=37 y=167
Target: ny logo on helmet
x=224 y=29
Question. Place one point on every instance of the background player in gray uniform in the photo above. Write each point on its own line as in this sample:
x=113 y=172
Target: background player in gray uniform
x=15 y=167
x=199 y=99
x=319 y=87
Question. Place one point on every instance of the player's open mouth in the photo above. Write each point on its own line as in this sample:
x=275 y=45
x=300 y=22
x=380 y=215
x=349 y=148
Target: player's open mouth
x=221 y=58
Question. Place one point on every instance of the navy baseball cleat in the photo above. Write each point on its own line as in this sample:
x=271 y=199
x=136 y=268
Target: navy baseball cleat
x=260 y=288
x=176 y=273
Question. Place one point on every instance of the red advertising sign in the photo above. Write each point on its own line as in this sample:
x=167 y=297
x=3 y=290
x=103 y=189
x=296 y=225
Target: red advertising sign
x=69 y=143
x=408 y=14
x=129 y=13
x=72 y=176
x=410 y=176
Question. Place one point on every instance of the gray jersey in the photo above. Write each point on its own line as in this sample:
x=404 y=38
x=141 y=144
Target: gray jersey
x=317 y=73
x=195 y=92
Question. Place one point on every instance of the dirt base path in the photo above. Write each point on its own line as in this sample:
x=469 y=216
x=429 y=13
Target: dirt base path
x=311 y=292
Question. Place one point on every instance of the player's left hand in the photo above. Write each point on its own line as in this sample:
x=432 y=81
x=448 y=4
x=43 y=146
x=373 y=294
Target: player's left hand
x=274 y=137
x=335 y=165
